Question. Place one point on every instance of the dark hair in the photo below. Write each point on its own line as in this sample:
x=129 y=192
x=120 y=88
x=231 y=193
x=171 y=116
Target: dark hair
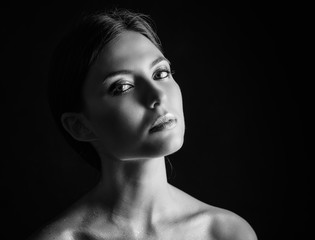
x=73 y=57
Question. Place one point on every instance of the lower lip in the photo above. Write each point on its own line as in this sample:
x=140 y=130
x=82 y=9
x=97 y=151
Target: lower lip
x=164 y=126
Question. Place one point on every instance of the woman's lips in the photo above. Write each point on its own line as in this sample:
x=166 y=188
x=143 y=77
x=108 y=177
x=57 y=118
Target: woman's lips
x=164 y=122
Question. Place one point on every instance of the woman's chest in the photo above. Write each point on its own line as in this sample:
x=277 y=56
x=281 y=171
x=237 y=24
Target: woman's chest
x=190 y=230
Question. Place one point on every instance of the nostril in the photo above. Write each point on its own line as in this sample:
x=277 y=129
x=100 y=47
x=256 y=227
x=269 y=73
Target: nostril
x=155 y=104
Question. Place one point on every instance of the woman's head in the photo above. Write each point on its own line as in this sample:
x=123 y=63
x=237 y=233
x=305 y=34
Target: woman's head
x=110 y=81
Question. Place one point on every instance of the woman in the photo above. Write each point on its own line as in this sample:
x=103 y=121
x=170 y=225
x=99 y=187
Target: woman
x=113 y=94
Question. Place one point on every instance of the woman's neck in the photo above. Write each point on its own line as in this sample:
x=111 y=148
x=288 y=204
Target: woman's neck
x=136 y=190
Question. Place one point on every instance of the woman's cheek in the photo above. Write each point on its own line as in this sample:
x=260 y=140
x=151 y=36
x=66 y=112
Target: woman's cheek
x=175 y=95
x=120 y=118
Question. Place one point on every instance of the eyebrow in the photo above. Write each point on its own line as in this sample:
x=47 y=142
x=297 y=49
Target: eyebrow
x=158 y=60
x=121 y=72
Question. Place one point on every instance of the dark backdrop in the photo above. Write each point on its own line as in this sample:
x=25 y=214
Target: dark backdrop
x=245 y=102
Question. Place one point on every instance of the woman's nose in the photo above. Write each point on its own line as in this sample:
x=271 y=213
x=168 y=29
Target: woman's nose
x=155 y=95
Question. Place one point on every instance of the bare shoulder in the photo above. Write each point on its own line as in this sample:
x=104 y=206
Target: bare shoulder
x=51 y=232
x=226 y=225
x=60 y=228
x=221 y=224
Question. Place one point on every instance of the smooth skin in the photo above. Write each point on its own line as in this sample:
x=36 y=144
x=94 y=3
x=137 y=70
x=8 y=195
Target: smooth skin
x=127 y=88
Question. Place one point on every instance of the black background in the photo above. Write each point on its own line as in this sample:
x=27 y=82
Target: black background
x=241 y=70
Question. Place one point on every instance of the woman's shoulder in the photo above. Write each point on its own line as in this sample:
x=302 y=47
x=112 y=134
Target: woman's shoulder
x=61 y=227
x=229 y=225
x=56 y=230
x=50 y=232
x=221 y=224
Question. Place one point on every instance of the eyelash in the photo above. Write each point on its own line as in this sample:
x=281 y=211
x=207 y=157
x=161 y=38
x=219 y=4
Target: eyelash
x=114 y=89
x=169 y=72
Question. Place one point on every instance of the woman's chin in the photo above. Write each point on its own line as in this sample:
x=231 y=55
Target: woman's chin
x=163 y=147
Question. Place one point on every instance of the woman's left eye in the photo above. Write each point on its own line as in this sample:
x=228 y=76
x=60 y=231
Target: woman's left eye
x=161 y=74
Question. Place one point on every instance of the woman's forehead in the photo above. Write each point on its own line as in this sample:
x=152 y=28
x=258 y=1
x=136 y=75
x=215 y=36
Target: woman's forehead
x=127 y=49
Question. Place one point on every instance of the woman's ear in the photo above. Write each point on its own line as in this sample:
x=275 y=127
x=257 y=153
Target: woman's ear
x=76 y=125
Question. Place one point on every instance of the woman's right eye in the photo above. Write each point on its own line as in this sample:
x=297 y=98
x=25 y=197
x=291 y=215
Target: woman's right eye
x=120 y=88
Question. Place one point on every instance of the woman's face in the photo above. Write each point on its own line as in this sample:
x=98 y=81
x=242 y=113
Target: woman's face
x=127 y=89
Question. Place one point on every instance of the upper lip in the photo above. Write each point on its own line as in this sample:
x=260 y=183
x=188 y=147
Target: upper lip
x=163 y=119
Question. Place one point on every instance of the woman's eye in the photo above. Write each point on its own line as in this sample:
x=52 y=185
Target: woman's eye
x=161 y=74
x=120 y=88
